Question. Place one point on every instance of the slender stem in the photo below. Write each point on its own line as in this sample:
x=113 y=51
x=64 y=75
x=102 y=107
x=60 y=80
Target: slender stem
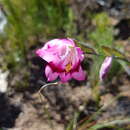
x=115 y=122
x=43 y=87
x=115 y=57
x=41 y=97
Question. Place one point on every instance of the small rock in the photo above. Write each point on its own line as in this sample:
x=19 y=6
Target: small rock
x=3 y=81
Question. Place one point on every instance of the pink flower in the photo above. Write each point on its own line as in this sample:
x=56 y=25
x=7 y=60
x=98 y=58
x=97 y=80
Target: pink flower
x=105 y=67
x=64 y=60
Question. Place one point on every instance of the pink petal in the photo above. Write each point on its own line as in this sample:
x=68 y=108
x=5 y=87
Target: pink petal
x=80 y=75
x=64 y=77
x=59 y=42
x=68 y=41
x=74 y=56
x=62 y=51
x=80 y=53
x=46 y=55
x=51 y=43
x=50 y=74
x=71 y=57
x=75 y=59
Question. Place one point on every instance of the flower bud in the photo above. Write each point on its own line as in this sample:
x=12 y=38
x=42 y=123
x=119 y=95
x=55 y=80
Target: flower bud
x=105 y=67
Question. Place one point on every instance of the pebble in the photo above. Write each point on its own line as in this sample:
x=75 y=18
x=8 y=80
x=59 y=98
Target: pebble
x=3 y=81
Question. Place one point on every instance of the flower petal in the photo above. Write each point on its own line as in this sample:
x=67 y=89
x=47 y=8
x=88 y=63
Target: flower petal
x=80 y=53
x=46 y=55
x=50 y=74
x=64 y=77
x=68 y=41
x=80 y=75
x=52 y=43
x=59 y=42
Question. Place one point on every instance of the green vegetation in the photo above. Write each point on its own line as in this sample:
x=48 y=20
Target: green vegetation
x=31 y=22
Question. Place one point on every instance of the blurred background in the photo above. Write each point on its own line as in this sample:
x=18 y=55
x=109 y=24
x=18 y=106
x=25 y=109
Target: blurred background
x=25 y=26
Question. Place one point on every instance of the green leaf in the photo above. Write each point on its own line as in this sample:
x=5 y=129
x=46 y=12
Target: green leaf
x=85 y=47
x=112 y=52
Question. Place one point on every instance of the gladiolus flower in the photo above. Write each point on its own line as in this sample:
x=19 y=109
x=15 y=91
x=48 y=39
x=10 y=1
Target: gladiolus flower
x=64 y=60
x=105 y=67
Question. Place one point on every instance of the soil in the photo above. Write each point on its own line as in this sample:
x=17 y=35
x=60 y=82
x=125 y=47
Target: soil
x=25 y=110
